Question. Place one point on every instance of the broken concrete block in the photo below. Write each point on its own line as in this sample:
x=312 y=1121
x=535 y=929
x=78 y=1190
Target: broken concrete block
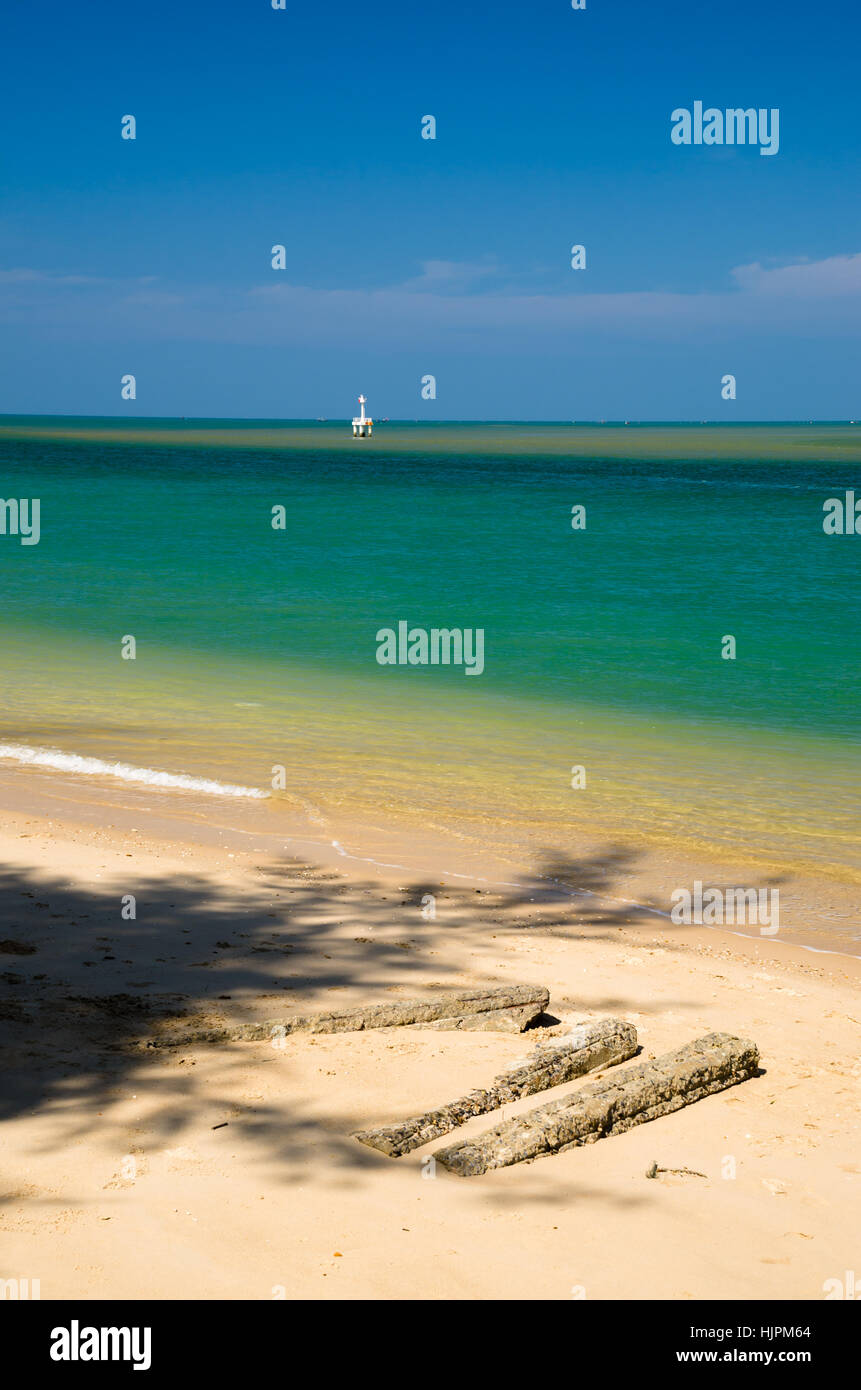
x=522 y=1003
x=585 y=1048
x=609 y=1106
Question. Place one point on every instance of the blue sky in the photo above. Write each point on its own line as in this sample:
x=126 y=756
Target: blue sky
x=407 y=256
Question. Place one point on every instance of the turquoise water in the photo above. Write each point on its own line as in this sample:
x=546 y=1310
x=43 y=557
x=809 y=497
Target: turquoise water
x=162 y=530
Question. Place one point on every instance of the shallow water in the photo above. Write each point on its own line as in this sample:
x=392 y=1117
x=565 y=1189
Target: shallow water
x=256 y=648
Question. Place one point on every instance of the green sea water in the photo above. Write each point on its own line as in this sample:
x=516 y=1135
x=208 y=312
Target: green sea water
x=256 y=647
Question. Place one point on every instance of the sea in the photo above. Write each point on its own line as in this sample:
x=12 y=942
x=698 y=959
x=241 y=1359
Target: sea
x=670 y=635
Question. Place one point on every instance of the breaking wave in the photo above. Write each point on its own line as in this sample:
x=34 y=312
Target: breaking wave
x=125 y=772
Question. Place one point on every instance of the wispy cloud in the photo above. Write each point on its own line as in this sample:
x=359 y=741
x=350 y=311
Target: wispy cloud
x=478 y=304
x=837 y=275
x=451 y=276
x=22 y=275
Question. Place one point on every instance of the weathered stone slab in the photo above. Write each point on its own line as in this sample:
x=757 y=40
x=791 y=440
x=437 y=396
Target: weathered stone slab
x=513 y=1020
x=609 y=1106
x=585 y=1048
x=525 y=1002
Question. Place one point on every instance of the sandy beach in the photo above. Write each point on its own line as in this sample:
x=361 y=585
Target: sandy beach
x=430 y=525
x=230 y=1170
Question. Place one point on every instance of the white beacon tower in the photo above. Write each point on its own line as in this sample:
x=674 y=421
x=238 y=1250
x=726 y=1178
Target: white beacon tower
x=363 y=425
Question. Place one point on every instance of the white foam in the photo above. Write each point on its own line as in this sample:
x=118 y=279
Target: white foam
x=125 y=772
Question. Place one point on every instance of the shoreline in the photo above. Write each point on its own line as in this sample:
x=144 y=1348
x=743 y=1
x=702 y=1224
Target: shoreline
x=639 y=882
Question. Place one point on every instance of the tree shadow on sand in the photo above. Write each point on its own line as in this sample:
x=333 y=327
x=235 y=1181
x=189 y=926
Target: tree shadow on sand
x=81 y=988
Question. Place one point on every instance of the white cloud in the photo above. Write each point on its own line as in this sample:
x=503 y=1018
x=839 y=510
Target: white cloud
x=837 y=275
x=448 y=302
x=442 y=275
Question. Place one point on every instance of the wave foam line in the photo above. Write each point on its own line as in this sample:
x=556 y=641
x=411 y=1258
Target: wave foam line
x=147 y=776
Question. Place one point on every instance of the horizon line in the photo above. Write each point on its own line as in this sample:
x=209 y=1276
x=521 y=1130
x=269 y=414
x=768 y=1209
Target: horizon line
x=413 y=420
